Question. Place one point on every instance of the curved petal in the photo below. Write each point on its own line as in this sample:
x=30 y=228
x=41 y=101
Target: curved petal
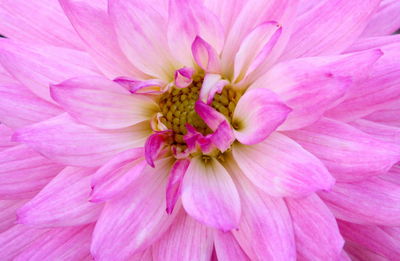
x=185 y=240
x=206 y=56
x=63 y=202
x=64 y=140
x=388 y=117
x=208 y=191
x=385 y=21
x=349 y=154
x=210 y=116
x=316 y=231
x=174 y=187
x=281 y=167
x=258 y=113
x=154 y=145
x=102 y=103
x=381 y=131
x=138 y=218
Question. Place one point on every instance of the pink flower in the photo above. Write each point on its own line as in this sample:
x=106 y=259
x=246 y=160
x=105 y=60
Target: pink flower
x=199 y=130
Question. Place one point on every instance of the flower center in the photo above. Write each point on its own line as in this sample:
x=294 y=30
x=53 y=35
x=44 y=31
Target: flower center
x=177 y=107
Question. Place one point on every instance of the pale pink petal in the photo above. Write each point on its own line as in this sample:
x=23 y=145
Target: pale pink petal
x=373 y=42
x=186 y=239
x=329 y=27
x=315 y=229
x=210 y=116
x=20 y=107
x=64 y=140
x=154 y=145
x=372 y=201
x=141 y=30
x=258 y=113
x=209 y=194
x=379 y=92
x=23 y=172
x=5 y=137
x=174 y=187
x=49 y=27
x=265 y=231
x=7 y=213
x=212 y=84
x=187 y=20
x=348 y=153
x=138 y=219
x=386 y=20
x=63 y=202
x=90 y=19
x=206 y=56
x=379 y=239
x=102 y=103
x=255 y=48
x=72 y=243
x=281 y=167
x=38 y=66
x=183 y=77
x=153 y=86
x=378 y=130
x=227 y=248
x=116 y=175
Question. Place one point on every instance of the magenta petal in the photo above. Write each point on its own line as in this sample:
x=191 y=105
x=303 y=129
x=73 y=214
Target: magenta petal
x=183 y=77
x=223 y=136
x=51 y=207
x=257 y=114
x=209 y=115
x=316 y=232
x=189 y=239
x=7 y=213
x=208 y=191
x=154 y=145
x=174 y=186
x=205 y=56
x=385 y=21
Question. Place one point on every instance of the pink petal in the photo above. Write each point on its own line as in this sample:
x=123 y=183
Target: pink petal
x=256 y=48
x=185 y=240
x=141 y=33
x=227 y=247
x=348 y=153
x=63 y=202
x=281 y=167
x=90 y=19
x=7 y=213
x=138 y=219
x=210 y=116
x=38 y=66
x=102 y=103
x=388 y=117
x=116 y=175
x=378 y=130
x=265 y=231
x=5 y=137
x=212 y=84
x=183 y=77
x=152 y=86
x=187 y=20
x=174 y=187
x=154 y=144
x=24 y=172
x=385 y=21
x=208 y=191
x=316 y=232
x=64 y=140
x=373 y=42
x=50 y=26
x=223 y=137
x=318 y=31
x=373 y=201
x=72 y=243
x=359 y=253
x=20 y=107
x=205 y=56
x=257 y=114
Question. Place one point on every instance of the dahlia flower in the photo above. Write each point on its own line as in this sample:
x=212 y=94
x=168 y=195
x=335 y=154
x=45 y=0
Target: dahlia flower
x=199 y=130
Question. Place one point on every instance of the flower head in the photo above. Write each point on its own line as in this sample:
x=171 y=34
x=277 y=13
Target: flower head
x=199 y=130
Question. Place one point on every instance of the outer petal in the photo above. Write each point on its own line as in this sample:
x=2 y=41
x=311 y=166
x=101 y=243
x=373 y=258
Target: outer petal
x=5 y=137
x=72 y=243
x=174 y=187
x=386 y=20
x=281 y=167
x=348 y=153
x=373 y=42
x=91 y=21
x=138 y=218
x=227 y=248
x=185 y=240
x=258 y=113
x=38 y=66
x=63 y=202
x=102 y=103
x=388 y=117
x=208 y=191
x=360 y=253
x=49 y=27
x=265 y=231
x=187 y=20
x=316 y=232
x=64 y=140
x=141 y=31
x=318 y=31
x=24 y=172
x=373 y=201
x=387 y=133
x=7 y=213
